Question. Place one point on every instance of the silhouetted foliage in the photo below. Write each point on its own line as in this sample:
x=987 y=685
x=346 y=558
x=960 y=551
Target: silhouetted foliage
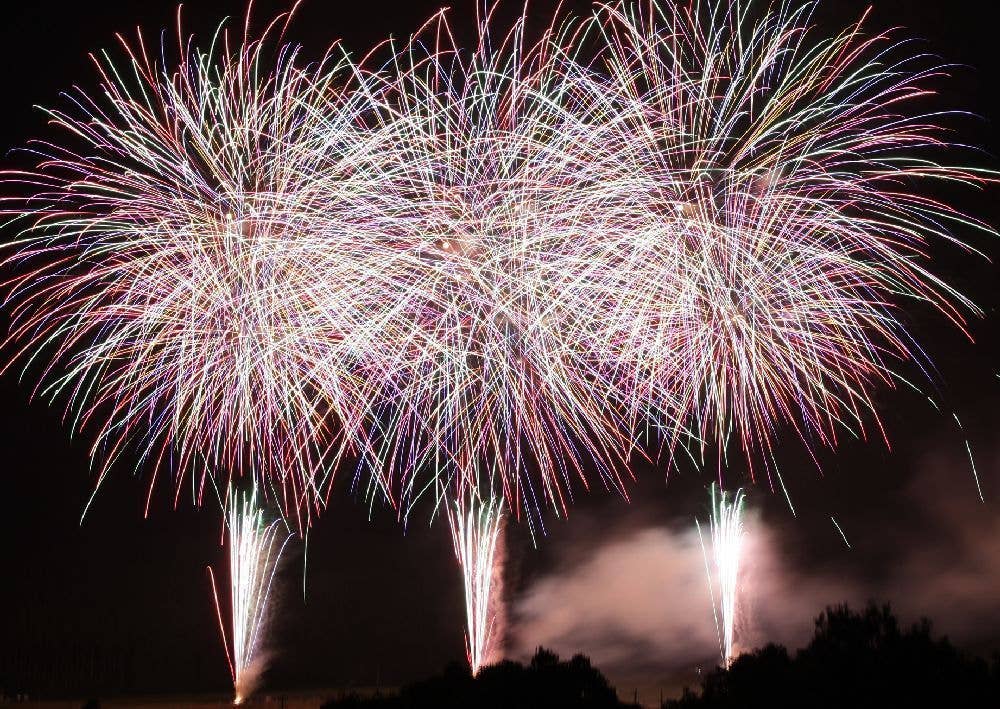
x=853 y=660
x=546 y=682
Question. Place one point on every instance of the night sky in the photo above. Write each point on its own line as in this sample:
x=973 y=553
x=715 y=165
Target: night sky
x=614 y=580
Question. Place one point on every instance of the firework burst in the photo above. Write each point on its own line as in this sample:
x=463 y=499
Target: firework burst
x=172 y=265
x=489 y=269
x=763 y=217
x=483 y=384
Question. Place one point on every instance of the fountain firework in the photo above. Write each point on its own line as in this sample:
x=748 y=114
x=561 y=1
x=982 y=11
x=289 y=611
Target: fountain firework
x=727 y=536
x=477 y=532
x=255 y=549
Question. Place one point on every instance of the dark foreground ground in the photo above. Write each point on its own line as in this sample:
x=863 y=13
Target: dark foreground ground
x=855 y=659
x=308 y=699
x=287 y=701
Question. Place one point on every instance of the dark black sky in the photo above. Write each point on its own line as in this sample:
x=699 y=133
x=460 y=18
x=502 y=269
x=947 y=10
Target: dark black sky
x=384 y=605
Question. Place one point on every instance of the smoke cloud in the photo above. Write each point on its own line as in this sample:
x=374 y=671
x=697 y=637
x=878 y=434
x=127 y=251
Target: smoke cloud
x=638 y=603
x=640 y=606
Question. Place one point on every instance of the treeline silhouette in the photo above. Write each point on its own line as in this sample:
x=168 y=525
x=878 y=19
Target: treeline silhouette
x=544 y=682
x=855 y=659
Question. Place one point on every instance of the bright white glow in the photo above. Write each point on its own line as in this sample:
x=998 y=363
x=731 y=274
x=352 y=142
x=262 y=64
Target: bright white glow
x=255 y=550
x=727 y=534
x=475 y=529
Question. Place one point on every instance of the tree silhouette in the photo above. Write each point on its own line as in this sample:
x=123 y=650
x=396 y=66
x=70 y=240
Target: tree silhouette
x=545 y=682
x=853 y=660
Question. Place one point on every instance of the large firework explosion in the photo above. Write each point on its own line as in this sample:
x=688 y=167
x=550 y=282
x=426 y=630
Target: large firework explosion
x=774 y=220
x=483 y=272
x=496 y=266
x=173 y=270
x=483 y=384
x=486 y=393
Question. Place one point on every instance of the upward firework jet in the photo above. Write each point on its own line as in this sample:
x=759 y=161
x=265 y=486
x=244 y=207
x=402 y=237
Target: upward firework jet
x=255 y=549
x=726 y=532
x=476 y=528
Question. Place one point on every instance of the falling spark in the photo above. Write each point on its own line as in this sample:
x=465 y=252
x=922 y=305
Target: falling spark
x=476 y=528
x=842 y=535
x=255 y=549
x=727 y=536
x=972 y=460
